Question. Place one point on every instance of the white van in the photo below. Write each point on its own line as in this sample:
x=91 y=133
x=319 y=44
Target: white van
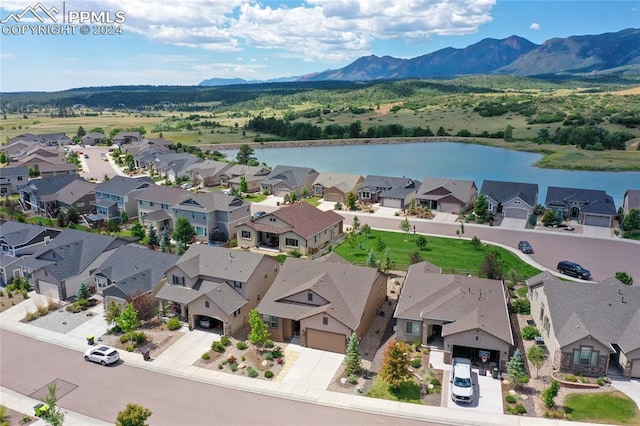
x=461 y=384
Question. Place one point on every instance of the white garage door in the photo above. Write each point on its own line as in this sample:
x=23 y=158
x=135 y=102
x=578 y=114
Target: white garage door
x=334 y=197
x=516 y=213
x=327 y=341
x=281 y=192
x=396 y=203
x=47 y=288
x=597 y=220
x=635 y=368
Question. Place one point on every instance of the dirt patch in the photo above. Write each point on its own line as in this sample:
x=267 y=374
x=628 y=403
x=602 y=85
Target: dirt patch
x=16 y=418
x=159 y=338
x=7 y=302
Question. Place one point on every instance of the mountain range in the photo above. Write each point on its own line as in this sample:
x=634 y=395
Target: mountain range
x=617 y=52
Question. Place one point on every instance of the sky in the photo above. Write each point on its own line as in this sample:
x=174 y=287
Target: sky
x=182 y=42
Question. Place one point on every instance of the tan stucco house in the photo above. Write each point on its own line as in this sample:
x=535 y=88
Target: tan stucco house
x=335 y=186
x=447 y=195
x=218 y=283
x=467 y=315
x=593 y=334
x=320 y=303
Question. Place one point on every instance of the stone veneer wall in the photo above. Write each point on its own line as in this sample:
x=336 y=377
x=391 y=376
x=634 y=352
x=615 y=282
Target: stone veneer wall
x=598 y=370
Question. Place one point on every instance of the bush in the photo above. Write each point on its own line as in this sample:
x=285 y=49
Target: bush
x=517 y=409
x=268 y=374
x=435 y=382
x=243 y=358
x=529 y=332
x=206 y=356
x=241 y=346
x=233 y=367
x=269 y=344
x=124 y=338
x=218 y=347
x=1 y=293
x=173 y=324
x=220 y=366
x=31 y=315
x=225 y=340
x=252 y=372
x=130 y=348
x=510 y=399
x=269 y=356
x=556 y=413
x=352 y=379
x=521 y=306
x=295 y=253
x=25 y=295
x=139 y=337
x=571 y=378
x=9 y=294
x=600 y=381
x=416 y=363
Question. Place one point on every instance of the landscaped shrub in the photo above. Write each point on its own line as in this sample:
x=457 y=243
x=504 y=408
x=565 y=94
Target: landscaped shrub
x=231 y=359
x=252 y=372
x=124 y=338
x=277 y=353
x=521 y=306
x=206 y=356
x=435 y=382
x=233 y=367
x=218 y=347
x=130 y=348
x=529 y=332
x=269 y=344
x=269 y=356
x=600 y=381
x=9 y=294
x=517 y=409
x=268 y=374
x=139 y=337
x=31 y=315
x=225 y=340
x=510 y=399
x=73 y=308
x=42 y=309
x=416 y=363
x=25 y=295
x=1 y=293
x=241 y=346
x=220 y=366
x=352 y=379
x=571 y=378
x=173 y=324
x=243 y=358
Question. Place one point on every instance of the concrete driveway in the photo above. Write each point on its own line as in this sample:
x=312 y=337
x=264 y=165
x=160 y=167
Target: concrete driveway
x=310 y=368
x=488 y=392
x=513 y=223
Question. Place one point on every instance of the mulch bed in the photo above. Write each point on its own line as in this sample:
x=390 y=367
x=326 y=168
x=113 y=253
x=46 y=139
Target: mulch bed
x=251 y=359
x=159 y=338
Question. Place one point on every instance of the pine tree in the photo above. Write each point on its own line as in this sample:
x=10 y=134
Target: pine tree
x=83 y=292
x=165 y=242
x=152 y=236
x=386 y=263
x=353 y=359
x=371 y=260
x=515 y=367
x=395 y=364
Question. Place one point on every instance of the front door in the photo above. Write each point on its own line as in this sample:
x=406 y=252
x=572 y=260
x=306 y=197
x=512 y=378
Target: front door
x=296 y=328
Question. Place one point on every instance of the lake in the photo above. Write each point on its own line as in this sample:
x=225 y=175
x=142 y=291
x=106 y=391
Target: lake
x=446 y=160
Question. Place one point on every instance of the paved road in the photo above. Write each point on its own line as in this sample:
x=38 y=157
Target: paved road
x=29 y=365
x=94 y=166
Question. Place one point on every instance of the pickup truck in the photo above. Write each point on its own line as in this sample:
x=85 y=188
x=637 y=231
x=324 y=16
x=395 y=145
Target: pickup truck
x=461 y=384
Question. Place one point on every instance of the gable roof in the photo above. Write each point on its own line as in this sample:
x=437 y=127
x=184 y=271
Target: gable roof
x=121 y=185
x=503 y=192
x=218 y=262
x=345 y=287
x=342 y=181
x=163 y=194
x=207 y=168
x=608 y=311
x=238 y=170
x=387 y=182
x=597 y=201
x=459 y=189
x=48 y=186
x=14 y=171
x=293 y=176
x=210 y=202
x=464 y=303
x=302 y=218
x=75 y=190
x=17 y=233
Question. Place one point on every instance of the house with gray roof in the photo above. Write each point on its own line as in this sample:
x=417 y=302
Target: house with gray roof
x=510 y=199
x=389 y=191
x=11 y=178
x=217 y=283
x=154 y=205
x=79 y=194
x=68 y=260
x=447 y=195
x=587 y=206
x=40 y=196
x=119 y=194
x=285 y=180
x=631 y=200
x=147 y=156
x=321 y=303
x=207 y=172
x=253 y=175
x=94 y=138
x=173 y=165
x=588 y=328
x=467 y=315
x=17 y=148
x=123 y=138
x=334 y=187
x=131 y=271
x=214 y=215
x=297 y=227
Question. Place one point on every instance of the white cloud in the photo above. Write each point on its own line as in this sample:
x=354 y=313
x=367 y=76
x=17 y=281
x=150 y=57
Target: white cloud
x=6 y=56
x=535 y=26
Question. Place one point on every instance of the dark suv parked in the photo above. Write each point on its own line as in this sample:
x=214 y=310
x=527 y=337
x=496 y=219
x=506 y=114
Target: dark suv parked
x=573 y=269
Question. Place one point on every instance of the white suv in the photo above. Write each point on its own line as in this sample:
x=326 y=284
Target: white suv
x=461 y=384
x=102 y=354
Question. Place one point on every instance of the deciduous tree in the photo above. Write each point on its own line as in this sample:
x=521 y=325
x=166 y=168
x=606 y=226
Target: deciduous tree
x=421 y=242
x=112 y=313
x=350 y=201
x=137 y=230
x=133 y=415
x=183 y=232
x=405 y=226
x=128 y=319
x=259 y=334
x=535 y=355
x=395 y=364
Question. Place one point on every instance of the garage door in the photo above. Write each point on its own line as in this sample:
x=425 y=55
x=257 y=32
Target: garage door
x=597 y=220
x=396 y=203
x=635 y=368
x=281 y=192
x=326 y=341
x=47 y=288
x=333 y=197
x=516 y=213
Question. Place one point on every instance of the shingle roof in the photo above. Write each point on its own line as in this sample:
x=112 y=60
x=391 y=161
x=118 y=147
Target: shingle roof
x=598 y=201
x=163 y=194
x=345 y=287
x=503 y=192
x=342 y=181
x=468 y=302
x=208 y=168
x=121 y=185
x=218 y=262
x=56 y=167
x=18 y=233
x=388 y=182
x=293 y=176
x=238 y=170
x=400 y=192
x=210 y=202
x=14 y=171
x=156 y=215
x=74 y=191
x=303 y=218
x=607 y=311
x=49 y=186
x=457 y=188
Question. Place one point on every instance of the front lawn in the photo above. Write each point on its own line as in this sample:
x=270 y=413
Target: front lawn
x=447 y=253
x=254 y=198
x=406 y=392
x=609 y=408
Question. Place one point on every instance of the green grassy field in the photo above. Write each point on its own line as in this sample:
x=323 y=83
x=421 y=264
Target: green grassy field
x=608 y=408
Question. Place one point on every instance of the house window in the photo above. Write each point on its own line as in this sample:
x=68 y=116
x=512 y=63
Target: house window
x=291 y=242
x=151 y=204
x=178 y=280
x=325 y=320
x=20 y=178
x=206 y=303
x=272 y=219
x=237 y=284
x=585 y=356
x=546 y=324
x=412 y=328
x=310 y=297
x=245 y=234
x=79 y=204
x=236 y=313
x=140 y=202
x=270 y=320
x=164 y=206
x=541 y=312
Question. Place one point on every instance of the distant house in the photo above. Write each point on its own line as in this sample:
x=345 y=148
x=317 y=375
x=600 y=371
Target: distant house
x=388 y=191
x=334 y=187
x=40 y=196
x=587 y=206
x=47 y=139
x=447 y=195
x=123 y=138
x=79 y=194
x=285 y=180
x=253 y=175
x=321 y=303
x=174 y=165
x=594 y=334
x=60 y=169
x=510 y=199
x=468 y=315
x=154 y=205
x=208 y=172
x=18 y=148
x=146 y=155
x=220 y=284
x=214 y=215
x=300 y=227
x=631 y=200
x=11 y=178
x=131 y=271
x=94 y=138
x=119 y=194
x=20 y=239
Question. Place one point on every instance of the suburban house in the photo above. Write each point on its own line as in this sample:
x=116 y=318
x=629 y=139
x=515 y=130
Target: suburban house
x=447 y=195
x=510 y=199
x=320 y=303
x=40 y=196
x=173 y=165
x=18 y=148
x=595 y=334
x=146 y=156
x=388 y=191
x=299 y=226
x=123 y=138
x=94 y=138
x=57 y=169
x=19 y=239
x=334 y=187
x=119 y=194
x=47 y=139
x=214 y=215
x=587 y=206
x=631 y=200
x=220 y=284
x=11 y=178
x=68 y=260
x=253 y=175
x=154 y=205
x=284 y=180
x=467 y=315
x=207 y=172
x=78 y=194
x=131 y=271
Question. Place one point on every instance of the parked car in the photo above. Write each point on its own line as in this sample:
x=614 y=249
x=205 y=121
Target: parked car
x=525 y=247
x=86 y=156
x=258 y=214
x=104 y=355
x=461 y=383
x=205 y=322
x=575 y=270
